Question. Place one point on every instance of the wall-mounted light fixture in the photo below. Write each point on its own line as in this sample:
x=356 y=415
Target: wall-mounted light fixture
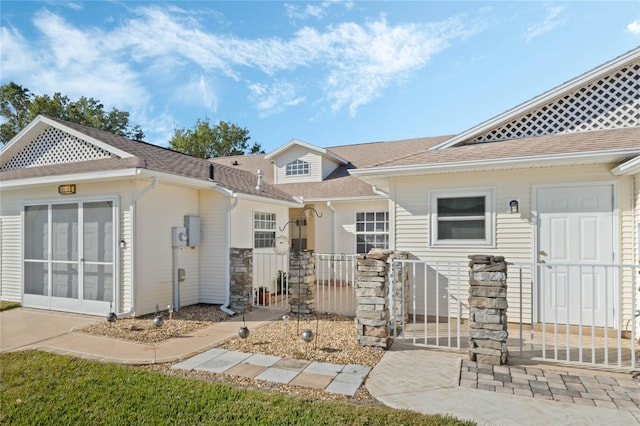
x=67 y=189
x=514 y=206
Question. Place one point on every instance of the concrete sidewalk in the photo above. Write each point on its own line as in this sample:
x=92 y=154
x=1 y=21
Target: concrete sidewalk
x=428 y=381
x=22 y=329
x=423 y=380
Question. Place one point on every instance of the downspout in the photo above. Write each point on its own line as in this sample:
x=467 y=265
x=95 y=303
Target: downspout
x=333 y=227
x=379 y=191
x=227 y=236
x=134 y=220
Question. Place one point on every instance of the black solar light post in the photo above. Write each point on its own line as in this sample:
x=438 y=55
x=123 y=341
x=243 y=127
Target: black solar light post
x=298 y=222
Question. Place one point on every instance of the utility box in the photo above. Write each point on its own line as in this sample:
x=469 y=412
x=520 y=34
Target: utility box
x=179 y=236
x=192 y=223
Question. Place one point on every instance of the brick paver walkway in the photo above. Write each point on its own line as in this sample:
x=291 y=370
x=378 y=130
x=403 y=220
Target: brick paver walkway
x=587 y=389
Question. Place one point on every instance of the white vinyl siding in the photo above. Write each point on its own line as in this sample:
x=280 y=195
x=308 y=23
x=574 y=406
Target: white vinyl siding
x=10 y=257
x=636 y=196
x=313 y=160
x=319 y=167
x=242 y=222
x=336 y=232
x=213 y=248
x=514 y=232
x=159 y=210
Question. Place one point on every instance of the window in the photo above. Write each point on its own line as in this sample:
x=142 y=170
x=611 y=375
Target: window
x=264 y=230
x=462 y=217
x=297 y=167
x=372 y=231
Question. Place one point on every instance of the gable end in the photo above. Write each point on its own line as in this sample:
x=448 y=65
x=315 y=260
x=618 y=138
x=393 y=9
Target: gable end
x=612 y=101
x=54 y=146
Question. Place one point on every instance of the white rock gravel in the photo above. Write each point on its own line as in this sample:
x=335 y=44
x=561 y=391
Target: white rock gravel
x=334 y=341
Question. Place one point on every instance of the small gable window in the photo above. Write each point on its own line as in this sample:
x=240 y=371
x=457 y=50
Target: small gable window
x=297 y=168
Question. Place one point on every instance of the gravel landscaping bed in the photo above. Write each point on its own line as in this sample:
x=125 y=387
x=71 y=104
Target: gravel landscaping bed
x=142 y=329
x=334 y=341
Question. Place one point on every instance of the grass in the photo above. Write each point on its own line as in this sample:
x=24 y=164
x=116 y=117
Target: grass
x=5 y=306
x=46 y=389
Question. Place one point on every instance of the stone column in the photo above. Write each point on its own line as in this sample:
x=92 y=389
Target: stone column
x=241 y=265
x=488 y=309
x=372 y=291
x=302 y=277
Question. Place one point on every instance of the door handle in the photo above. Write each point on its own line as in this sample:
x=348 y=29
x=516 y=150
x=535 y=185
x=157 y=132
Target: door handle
x=542 y=253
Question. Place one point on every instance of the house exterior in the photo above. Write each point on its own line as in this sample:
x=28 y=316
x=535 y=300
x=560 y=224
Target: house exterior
x=92 y=222
x=556 y=179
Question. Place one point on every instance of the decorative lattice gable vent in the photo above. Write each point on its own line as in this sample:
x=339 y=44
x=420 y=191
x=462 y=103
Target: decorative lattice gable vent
x=610 y=102
x=53 y=146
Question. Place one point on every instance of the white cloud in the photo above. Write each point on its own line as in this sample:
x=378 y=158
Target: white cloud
x=198 y=91
x=163 y=47
x=274 y=98
x=315 y=10
x=552 y=20
x=634 y=27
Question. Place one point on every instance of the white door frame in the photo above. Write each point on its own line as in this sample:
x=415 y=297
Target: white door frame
x=536 y=234
x=82 y=306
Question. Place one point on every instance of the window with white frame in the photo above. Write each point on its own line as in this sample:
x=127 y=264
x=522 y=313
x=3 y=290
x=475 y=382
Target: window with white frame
x=372 y=231
x=264 y=229
x=297 y=168
x=462 y=217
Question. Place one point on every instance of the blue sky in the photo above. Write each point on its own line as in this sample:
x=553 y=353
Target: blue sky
x=328 y=73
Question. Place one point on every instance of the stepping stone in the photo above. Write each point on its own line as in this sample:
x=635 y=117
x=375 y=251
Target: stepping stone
x=277 y=375
x=193 y=362
x=223 y=362
x=324 y=368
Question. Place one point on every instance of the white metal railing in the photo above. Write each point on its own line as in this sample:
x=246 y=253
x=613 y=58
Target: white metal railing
x=580 y=313
x=434 y=295
x=334 y=290
x=270 y=280
x=573 y=313
x=335 y=283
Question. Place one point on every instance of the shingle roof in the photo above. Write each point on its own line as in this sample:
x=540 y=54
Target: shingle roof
x=558 y=144
x=339 y=183
x=151 y=157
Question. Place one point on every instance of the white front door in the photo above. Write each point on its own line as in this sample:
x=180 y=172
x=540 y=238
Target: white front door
x=576 y=229
x=69 y=256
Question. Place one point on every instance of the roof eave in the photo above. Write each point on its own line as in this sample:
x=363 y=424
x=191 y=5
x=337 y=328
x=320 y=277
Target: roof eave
x=322 y=151
x=72 y=177
x=342 y=199
x=514 y=162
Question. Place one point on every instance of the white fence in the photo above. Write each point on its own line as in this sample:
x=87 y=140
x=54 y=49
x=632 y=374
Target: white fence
x=561 y=312
x=271 y=280
x=335 y=283
x=334 y=290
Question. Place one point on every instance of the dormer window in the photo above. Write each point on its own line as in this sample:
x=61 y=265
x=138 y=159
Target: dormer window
x=297 y=168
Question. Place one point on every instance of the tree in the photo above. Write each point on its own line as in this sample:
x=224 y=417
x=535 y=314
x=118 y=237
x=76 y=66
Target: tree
x=206 y=141
x=18 y=106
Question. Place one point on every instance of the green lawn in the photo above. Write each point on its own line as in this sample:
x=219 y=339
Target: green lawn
x=5 y=306
x=42 y=388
